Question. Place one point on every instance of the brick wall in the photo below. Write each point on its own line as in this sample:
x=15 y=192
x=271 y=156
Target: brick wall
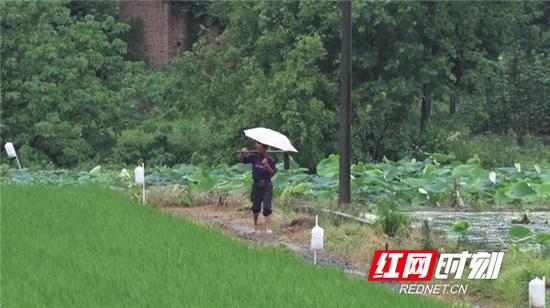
x=164 y=36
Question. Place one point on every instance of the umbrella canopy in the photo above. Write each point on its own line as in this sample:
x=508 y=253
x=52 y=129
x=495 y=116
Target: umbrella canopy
x=271 y=138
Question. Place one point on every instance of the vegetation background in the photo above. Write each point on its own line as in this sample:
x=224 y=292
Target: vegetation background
x=452 y=77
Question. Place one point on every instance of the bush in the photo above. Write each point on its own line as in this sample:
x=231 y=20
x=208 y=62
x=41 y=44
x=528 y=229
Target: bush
x=165 y=142
x=391 y=219
x=500 y=151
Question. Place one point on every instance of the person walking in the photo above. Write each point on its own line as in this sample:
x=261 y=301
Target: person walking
x=263 y=169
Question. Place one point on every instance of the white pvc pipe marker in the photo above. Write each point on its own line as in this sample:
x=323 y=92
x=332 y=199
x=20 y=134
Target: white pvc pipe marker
x=139 y=173
x=536 y=292
x=10 y=150
x=317 y=235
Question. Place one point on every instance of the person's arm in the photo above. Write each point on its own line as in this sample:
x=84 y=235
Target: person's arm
x=244 y=156
x=269 y=165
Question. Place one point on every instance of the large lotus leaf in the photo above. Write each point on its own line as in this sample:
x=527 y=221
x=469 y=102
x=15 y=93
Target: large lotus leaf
x=520 y=190
x=519 y=232
x=328 y=166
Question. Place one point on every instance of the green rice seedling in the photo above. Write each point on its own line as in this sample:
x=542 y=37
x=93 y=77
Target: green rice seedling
x=90 y=246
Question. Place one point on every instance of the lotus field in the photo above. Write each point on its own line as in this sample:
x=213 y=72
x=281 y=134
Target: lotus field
x=437 y=181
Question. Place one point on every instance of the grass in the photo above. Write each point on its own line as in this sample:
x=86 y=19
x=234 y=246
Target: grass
x=518 y=268
x=87 y=246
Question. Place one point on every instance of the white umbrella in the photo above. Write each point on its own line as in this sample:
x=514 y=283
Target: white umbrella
x=271 y=138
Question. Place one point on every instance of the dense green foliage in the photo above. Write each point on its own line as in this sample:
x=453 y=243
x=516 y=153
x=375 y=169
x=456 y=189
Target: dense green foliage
x=66 y=90
x=427 y=77
x=435 y=181
x=89 y=246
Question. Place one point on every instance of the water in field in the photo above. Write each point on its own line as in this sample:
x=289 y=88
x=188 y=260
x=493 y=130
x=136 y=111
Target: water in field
x=487 y=229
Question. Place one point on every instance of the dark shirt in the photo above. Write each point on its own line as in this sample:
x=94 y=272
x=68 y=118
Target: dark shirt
x=258 y=172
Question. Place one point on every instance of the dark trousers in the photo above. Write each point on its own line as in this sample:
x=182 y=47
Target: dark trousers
x=262 y=191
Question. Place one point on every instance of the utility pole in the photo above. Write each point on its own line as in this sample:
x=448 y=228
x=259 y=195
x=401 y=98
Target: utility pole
x=344 y=195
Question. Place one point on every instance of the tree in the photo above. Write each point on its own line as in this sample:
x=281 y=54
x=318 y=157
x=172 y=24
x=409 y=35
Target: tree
x=65 y=87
